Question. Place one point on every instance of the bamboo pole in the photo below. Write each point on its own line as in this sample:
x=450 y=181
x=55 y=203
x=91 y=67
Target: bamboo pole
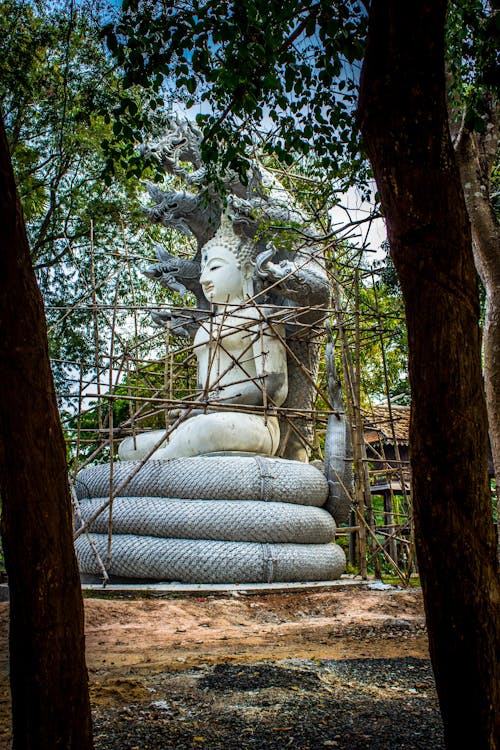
x=358 y=438
x=96 y=325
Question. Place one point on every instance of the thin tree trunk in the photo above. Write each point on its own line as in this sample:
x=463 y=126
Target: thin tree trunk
x=50 y=701
x=403 y=117
x=475 y=156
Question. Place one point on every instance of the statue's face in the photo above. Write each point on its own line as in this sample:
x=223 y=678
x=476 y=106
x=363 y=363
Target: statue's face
x=221 y=278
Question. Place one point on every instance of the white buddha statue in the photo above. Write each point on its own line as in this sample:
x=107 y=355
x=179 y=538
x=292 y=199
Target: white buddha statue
x=241 y=363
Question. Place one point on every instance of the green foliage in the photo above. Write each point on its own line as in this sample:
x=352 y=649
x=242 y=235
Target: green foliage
x=384 y=350
x=282 y=74
x=57 y=90
x=377 y=311
x=286 y=70
x=472 y=57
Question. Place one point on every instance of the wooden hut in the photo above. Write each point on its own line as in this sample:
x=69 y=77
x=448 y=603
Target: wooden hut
x=386 y=432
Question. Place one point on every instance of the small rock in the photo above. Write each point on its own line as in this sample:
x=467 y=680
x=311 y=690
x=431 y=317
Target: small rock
x=380 y=586
x=161 y=705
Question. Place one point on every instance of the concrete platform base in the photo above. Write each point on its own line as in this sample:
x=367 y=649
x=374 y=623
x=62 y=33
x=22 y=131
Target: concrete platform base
x=149 y=589
x=231 y=589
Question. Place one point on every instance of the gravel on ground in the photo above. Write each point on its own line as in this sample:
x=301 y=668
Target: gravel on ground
x=347 y=669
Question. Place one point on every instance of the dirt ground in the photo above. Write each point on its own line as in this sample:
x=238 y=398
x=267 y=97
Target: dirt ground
x=130 y=642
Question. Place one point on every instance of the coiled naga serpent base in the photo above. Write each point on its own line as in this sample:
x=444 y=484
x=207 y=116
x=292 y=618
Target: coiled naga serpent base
x=211 y=519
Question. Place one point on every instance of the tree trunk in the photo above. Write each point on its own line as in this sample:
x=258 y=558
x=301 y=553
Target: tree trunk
x=50 y=701
x=403 y=117
x=476 y=153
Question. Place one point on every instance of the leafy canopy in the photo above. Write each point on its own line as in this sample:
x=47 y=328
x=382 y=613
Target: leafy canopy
x=472 y=34
x=57 y=88
x=282 y=72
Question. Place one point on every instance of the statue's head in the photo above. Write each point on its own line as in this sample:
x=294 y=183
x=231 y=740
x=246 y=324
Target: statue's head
x=227 y=267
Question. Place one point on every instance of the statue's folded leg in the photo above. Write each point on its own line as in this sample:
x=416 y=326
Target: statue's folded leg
x=207 y=433
x=137 y=447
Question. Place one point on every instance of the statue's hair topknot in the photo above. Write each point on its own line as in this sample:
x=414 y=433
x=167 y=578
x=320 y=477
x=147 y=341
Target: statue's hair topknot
x=244 y=249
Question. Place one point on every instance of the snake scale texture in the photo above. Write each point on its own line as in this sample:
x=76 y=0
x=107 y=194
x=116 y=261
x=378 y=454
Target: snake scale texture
x=210 y=519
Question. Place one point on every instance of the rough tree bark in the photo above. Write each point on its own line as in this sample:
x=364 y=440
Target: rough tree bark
x=50 y=701
x=403 y=117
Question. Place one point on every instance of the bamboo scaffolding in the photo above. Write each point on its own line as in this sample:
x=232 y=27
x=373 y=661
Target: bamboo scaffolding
x=150 y=374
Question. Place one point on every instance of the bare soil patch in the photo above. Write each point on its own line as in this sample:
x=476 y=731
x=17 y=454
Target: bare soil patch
x=296 y=669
